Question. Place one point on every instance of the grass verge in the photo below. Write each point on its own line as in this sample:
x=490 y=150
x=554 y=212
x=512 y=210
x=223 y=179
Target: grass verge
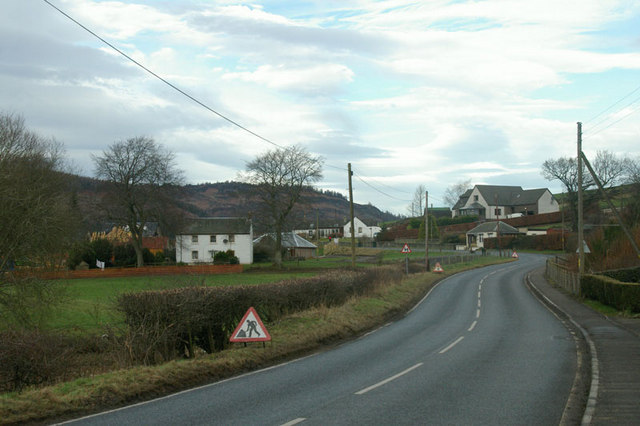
x=291 y=338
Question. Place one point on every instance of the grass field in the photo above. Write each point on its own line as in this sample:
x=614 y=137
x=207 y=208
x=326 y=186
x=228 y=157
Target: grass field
x=90 y=303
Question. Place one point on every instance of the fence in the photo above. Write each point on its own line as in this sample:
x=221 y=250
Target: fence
x=562 y=276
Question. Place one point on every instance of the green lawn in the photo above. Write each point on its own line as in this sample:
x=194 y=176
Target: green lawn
x=91 y=302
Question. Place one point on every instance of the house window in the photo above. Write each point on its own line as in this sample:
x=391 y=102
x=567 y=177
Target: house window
x=498 y=212
x=475 y=198
x=359 y=229
x=232 y=238
x=212 y=238
x=480 y=238
x=194 y=238
x=194 y=255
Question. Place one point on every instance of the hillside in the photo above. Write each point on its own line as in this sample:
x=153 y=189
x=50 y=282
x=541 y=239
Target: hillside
x=236 y=199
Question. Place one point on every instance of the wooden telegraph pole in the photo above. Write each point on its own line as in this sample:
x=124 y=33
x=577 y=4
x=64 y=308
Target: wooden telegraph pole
x=426 y=230
x=580 y=211
x=352 y=226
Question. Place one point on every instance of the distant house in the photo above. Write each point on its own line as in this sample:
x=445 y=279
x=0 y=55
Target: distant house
x=294 y=245
x=325 y=230
x=494 y=202
x=477 y=235
x=200 y=239
x=360 y=229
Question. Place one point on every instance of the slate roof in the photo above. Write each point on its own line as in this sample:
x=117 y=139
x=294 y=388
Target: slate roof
x=289 y=240
x=510 y=195
x=492 y=227
x=216 y=225
x=462 y=200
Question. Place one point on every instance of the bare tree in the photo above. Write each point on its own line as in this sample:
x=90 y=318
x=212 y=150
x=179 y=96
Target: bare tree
x=454 y=191
x=632 y=179
x=609 y=168
x=36 y=213
x=418 y=199
x=140 y=174
x=280 y=176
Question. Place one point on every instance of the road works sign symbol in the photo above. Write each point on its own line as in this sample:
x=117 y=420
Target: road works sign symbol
x=514 y=255
x=438 y=268
x=405 y=249
x=250 y=329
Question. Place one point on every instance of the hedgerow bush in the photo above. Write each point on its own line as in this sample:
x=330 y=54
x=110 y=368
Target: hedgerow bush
x=168 y=323
x=631 y=275
x=606 y=290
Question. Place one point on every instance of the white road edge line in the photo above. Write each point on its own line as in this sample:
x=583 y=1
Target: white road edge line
x=473 y=325
x=478 y=313
x=587 y=416
x=479 y=303
x=385 y=381
x=294 y=421
x=458 y=340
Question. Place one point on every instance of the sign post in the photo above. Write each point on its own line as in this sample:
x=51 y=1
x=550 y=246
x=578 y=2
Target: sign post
x=406 y=250
x=250 y=329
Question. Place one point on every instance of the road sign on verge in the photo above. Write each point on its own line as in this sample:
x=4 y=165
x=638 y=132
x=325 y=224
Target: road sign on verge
x=514 y=255
x=405 y=249
x=438 y=268
x=250 y=329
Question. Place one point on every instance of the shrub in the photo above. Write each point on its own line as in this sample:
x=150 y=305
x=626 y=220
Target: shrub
x=175 y=321
x=631 y=275
x=124 y=255
x=622 y=296
x=31 y=358
x=225 y=257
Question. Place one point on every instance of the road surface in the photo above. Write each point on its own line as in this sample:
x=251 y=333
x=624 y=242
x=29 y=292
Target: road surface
x=480 y=349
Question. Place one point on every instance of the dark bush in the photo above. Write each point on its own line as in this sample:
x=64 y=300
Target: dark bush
x=171 y=322
x=225 y=257
x=606 y=290
x=124 y=255
x=631 y=275
x=101 y=249
x=31 y=358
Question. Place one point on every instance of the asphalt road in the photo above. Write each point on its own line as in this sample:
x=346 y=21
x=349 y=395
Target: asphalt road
x=480 y=349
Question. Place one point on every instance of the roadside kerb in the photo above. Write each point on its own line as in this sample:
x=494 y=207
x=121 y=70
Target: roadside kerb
x=577 y=390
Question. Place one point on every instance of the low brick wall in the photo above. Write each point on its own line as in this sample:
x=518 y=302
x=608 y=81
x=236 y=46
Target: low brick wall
x=144 y=271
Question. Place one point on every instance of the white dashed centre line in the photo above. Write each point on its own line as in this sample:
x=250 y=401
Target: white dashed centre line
x=385 y=381
x=473 y=325
x=294 y=421
x=458 y=340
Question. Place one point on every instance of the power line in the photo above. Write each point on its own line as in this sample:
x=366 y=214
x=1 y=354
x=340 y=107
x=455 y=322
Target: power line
x=612 y=105
x=378 y=190
x=633 y=111
x=202 y=104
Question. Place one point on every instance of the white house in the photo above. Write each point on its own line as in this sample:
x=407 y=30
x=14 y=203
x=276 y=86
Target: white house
x=199 y=239
x=477 y=235
x=360 y=229
x=494 y=202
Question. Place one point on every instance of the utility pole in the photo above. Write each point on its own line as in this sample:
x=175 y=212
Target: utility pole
x=352 y=226
x=580 y=212
x=426 y=230
x=317 y=234
x=495 y=199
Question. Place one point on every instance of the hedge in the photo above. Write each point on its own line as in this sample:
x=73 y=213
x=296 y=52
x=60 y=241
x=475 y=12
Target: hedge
x=166 y=324
x=606 y=290
x=631 y=275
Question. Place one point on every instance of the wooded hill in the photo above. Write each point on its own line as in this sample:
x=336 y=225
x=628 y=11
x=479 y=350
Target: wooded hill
x=238 y=199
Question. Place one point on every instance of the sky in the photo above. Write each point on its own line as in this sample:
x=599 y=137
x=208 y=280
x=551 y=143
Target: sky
x=425 y=93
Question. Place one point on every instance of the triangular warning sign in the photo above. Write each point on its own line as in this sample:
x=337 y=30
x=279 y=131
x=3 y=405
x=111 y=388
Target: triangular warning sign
x=514 y=255
x=405 y=249
x=438 y=268
x=250 y=329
